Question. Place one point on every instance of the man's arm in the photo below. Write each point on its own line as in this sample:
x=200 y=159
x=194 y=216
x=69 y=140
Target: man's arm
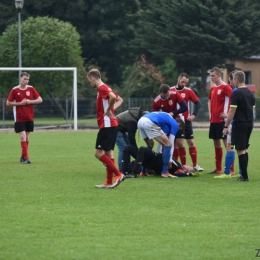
x=112 y=100
x=209 y=109
x=34 y=101
x=131 y=130
x=118 y=103
x=195 y=111
x=12 y=103
x=183 y=108
x=230 y=117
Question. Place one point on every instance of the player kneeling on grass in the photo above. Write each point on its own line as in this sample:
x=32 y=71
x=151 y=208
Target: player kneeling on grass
x=146 y=157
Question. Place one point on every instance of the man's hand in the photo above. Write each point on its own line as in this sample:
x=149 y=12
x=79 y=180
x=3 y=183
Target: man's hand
x=109 y=114
x=23 y=102
x=225 y=131
x=190 y=117
x=223 y=115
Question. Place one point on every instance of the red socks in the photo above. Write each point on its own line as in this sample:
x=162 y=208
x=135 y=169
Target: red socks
x=176 y=153
x=193 y=155
x=218 y=158
x=111 y=168
x=182 y=153
x=24 y=146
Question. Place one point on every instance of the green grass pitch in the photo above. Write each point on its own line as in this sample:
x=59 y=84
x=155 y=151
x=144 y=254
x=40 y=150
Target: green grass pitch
x=51 y=209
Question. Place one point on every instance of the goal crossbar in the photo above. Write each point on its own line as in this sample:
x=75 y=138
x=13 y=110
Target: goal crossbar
x=56 y=69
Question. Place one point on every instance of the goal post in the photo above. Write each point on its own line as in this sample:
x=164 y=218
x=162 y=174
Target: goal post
x=75 y=101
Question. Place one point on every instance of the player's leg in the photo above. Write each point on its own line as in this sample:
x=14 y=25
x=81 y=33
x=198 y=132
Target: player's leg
x=20 y=128
x=167 y=145
x=105 y=142
x=29 y=127
x=240 y=138
x=129 y=151
x=215 y=133
x=179 y=143
x=121 y=142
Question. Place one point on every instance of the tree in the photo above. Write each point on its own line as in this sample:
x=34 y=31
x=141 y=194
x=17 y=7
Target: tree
x=46 y=42
x=199 y=34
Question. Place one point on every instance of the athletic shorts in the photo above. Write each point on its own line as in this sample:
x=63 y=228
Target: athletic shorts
x=106 y=138
x=187 y=132
x=148 y=129
x=215 y=131
x=241 y=132
x=27 y=126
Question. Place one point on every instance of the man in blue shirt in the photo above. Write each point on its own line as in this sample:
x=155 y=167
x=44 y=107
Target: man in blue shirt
x=163 y=128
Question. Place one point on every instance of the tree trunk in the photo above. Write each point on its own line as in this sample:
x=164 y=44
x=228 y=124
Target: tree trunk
x=203 y=91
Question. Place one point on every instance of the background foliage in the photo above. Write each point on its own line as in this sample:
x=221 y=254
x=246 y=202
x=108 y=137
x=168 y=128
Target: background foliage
x=174 y=36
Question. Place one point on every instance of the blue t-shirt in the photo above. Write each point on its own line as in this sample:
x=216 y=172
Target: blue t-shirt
x=165 y=121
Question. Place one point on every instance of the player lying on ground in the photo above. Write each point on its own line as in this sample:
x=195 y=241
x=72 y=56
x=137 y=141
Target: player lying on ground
x=152 y=160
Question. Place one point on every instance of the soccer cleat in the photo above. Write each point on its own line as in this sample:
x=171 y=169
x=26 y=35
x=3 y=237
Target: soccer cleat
x=215 y=172
x=241 y=179
x=144 y=174
x=167 y=174
x=222 y=176
x=131 y=175
x=118 y=180
x=236 y=175
x=25 y=160
x=105 y=185
x=194 y=174
x=197 y=168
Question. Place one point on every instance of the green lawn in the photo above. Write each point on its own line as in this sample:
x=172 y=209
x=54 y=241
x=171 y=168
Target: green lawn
x=55 y=121
x=51 y=209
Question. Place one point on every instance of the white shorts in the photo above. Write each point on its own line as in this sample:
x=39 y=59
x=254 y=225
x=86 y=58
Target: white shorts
x=229 y=134
x=148 y=129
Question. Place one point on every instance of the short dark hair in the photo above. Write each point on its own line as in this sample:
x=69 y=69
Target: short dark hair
x=231 y=74
x=239 y=76
x=183 y=74
x=94 y=73
x=24 y=74
x=181 y=122
x=164 y=88
x=217 y=70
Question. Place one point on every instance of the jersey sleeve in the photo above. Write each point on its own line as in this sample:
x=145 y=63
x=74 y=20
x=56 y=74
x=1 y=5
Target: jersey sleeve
x=193 y=97
x=234 y=99
x=11 y=96
x=228 y=91
x=35 y=93
x=210 y=91
x=155 y=106
x=104 y=91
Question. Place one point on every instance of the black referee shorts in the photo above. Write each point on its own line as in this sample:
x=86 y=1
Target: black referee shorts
x=241 y=132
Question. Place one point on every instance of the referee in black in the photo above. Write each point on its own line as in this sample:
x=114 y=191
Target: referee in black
x=241 y=112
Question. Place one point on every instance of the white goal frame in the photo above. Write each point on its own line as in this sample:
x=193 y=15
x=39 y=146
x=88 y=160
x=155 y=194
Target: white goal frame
x=56 y=69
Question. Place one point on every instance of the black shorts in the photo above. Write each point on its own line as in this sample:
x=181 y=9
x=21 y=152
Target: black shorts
x=106 y=138
x=215 y=131
x=27 y=126
x=241 y=132
x=187 y=132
